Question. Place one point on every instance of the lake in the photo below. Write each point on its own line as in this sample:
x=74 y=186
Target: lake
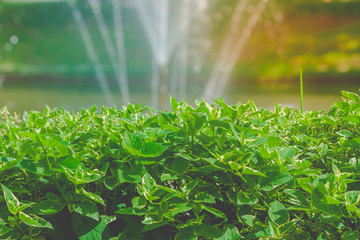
x=24 y=97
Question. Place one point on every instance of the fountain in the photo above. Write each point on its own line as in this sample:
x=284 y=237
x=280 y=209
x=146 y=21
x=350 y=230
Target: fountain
x=90 y=49
x=118 y=62
x=154 y=15
x=167 y=27
x=232 y=48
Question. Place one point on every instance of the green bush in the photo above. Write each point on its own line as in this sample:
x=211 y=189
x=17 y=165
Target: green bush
x=203 y=172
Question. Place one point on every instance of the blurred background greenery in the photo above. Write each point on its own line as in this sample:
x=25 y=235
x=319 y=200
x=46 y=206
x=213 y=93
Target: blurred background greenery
x=43 y=59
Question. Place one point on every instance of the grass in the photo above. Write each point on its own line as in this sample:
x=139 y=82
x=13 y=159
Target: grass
x=301 y=93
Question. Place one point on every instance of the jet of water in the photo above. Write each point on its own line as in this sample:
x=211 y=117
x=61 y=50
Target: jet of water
x=232 y=48
x=164 y=28
x=91 y=52
x=179 y=77
x=119 y=36
x=118 y=62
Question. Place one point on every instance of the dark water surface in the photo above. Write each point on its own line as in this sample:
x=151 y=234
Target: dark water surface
x=19 y=99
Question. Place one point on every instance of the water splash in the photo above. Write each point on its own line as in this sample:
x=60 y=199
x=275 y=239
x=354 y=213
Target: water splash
x=119 y=36
x=167 y=27
x=178 y=81
x=164 y=28
x=117 y=57
x=90 y=49
x=232 y=48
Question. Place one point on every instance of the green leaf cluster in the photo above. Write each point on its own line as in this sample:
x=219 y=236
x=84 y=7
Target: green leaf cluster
x=209 y=171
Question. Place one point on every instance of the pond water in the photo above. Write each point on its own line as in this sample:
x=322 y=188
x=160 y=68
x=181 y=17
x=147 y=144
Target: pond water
x=19 y=98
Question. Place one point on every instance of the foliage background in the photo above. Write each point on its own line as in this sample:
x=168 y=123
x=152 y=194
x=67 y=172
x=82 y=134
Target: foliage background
x=320 y=36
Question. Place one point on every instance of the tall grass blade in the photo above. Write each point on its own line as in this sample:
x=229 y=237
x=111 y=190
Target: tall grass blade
x=301 y=93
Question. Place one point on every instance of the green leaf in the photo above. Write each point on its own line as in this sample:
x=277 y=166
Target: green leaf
x=4 y=230
x=274 y=179
x=84 y=137
x=354 y=143
x=319 y=202
x=132 y=143
x=287 y=228
x=174 y=104
x=342 y=105
x=207 y=231
x=33 y=167
x=215 y=162
x=180 y=208
x=225 y=106
x=297 y=195
x=132 y=175
x=352 y=197
x=322 y=236
x=13 y=234
x=12 y=202
x=7 y=162
x=204 y=197
x=345 y=133
x=258 y=233
x=123 y=173
x=111 y=182
x=286 y=153
x=257 y=141
x=149 y=227
x=350 y=95
x=89 y=229
x=60 y=145
x=180 y=165
x=248 y=219
x=146 y=161
x=151 y=219
x=93 y=197
x=219 y=123
x=278 y=213
x=70 y=162
x=304 y=235
x=250 y=171
x=48 y=207
x=93 y=108
x=354 y=118
x=196 y=121
x=274 y=230
x=215 y=211
x=82 y=175
x=148 y=182
x=34 y=221
x=186 y=233
x=152 y=149
x=87 y=208
x=24 y=206
x=190 y=186
x=242 y=199
x=350 y=235
x=133 y=211
x=138 y=202
x=132 y=231
x=230 y=233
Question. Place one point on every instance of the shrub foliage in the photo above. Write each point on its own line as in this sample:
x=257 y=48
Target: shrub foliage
x=198 y=172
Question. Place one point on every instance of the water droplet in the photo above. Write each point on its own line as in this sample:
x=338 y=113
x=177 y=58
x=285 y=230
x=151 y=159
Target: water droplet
x=14 y=39
x=8 y=47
